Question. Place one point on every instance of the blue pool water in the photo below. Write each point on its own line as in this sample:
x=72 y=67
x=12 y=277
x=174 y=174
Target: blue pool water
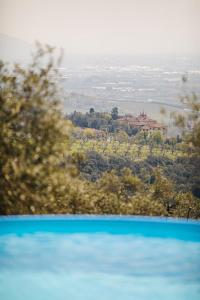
x=99 y=258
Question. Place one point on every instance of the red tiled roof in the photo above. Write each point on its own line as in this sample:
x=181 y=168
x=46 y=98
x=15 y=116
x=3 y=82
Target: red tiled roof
x=141 y=121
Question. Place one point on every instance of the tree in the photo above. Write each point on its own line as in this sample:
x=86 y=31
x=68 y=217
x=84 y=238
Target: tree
x=156 y=137
x=91 y=110
x=131 y=183
x=190 y=121
x=114 y=113
x=111 y=183
x=89 y=133
x=163 y=191
x=144 y=205
x=122 y=136
x=34 y=139
x=187 y=206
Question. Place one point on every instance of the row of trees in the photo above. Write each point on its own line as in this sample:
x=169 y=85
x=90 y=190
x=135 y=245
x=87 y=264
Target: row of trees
x=131 y=149
x=94 y=119
x=100 y=121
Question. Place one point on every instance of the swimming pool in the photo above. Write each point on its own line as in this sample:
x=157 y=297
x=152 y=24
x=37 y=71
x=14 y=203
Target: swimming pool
x=99 y=258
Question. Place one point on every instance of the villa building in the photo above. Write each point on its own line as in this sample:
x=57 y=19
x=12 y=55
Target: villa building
x=142 y=122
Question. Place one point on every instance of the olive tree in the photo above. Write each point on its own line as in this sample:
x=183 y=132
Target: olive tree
x=34 y=137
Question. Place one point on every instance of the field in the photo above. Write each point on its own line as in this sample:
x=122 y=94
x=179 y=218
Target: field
x=132 y=150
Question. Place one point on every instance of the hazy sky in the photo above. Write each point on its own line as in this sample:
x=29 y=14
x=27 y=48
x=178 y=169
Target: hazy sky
x=106 y=26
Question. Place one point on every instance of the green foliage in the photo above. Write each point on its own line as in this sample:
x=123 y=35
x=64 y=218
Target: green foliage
x=110 y=183
x=91 y=110
x=131 y=183
x=34 y=138
x=157 y=137
x=190 y=121
x=187 y=206
x=163 y=189
x=144 y=205
x=92 y=119
x=114 y=113
x=107 y=203
x=121 y=145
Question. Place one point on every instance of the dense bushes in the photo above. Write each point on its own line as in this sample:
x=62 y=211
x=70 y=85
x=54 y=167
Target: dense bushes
x=34 y=140
x=184 y=172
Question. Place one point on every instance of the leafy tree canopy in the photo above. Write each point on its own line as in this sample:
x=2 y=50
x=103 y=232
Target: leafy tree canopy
x=34 y=137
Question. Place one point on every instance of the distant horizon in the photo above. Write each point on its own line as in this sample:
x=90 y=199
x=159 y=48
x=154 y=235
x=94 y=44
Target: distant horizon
x=92 y=54
x=106 y=27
